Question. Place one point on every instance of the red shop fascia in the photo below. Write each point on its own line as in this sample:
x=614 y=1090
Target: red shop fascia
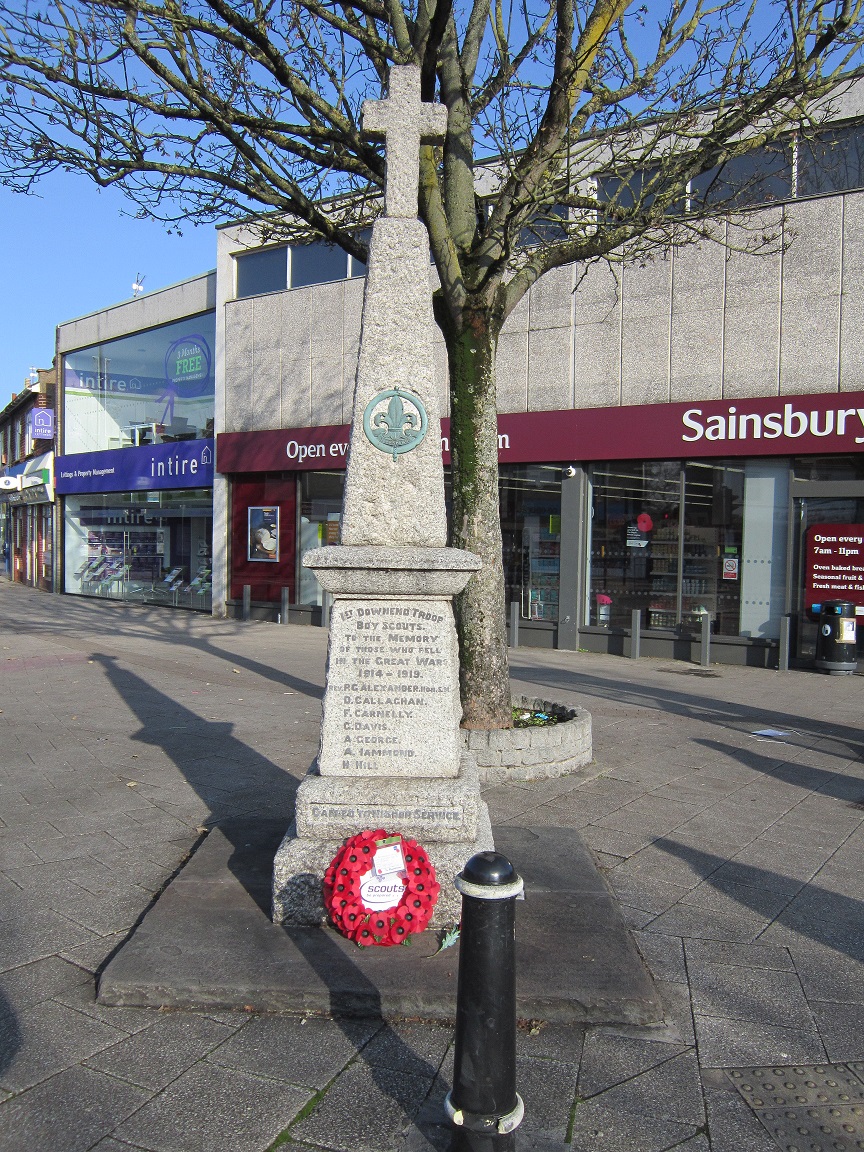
x=766 y=426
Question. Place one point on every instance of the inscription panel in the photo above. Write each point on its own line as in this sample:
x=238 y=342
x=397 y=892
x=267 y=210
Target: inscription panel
x=392 y=705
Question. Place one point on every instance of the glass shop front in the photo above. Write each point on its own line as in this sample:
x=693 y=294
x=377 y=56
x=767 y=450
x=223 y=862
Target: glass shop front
x=137 y=470
x=736 y=528
x=145 y=547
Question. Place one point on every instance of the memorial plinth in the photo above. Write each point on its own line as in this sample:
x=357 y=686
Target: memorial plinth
x=390 y=754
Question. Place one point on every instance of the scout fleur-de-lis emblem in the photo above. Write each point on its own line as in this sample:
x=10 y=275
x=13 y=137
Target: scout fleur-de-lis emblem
x=398 y=428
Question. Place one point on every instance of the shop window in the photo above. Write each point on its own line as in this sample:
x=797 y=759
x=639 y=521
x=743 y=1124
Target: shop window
x=667 y=540
x=145 y=547
x=262 y=270
x=530 y=500
x=317 y=263
x=635 y=534
x=711 y=566
x=831 y=161
x=153 y=387
x=320 y=516
x=829 y=468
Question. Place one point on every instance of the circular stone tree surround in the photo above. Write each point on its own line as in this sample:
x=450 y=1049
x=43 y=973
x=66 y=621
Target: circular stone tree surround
x=540 y=752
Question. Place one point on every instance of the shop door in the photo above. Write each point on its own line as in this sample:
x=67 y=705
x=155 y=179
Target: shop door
x=19 y=545
x=828 y=560
x=32 y=546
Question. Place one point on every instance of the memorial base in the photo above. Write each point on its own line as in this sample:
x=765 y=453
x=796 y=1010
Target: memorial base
x=300 y=865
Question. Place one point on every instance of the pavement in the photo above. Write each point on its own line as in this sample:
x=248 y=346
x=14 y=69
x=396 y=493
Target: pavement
x=126 y=733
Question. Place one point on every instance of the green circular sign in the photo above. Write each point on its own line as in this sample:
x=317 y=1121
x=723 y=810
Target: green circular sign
x=395 y=429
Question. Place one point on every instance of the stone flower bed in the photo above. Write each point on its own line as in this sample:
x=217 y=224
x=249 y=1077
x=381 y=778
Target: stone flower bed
x=535 y=753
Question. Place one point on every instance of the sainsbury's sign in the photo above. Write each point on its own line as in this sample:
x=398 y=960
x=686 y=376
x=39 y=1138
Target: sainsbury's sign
x=788 y=423
x=800 y=426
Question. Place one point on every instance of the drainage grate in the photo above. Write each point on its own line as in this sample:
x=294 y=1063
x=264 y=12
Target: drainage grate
x=807 y=1108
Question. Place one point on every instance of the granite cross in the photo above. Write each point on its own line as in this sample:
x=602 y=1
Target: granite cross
x=405 y=122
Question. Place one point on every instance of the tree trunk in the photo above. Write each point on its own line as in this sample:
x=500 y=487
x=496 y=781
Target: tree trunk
x=480 y=616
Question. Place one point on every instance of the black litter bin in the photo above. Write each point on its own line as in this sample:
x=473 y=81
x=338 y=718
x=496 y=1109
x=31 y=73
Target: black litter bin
x=835 y=644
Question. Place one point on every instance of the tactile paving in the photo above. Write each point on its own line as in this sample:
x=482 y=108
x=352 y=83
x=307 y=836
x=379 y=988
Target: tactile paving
x=799 y=1086
x=807 y=1108
x=816 y=1129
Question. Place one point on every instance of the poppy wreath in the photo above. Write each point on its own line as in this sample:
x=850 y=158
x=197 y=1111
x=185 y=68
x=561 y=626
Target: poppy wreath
x=344 y=903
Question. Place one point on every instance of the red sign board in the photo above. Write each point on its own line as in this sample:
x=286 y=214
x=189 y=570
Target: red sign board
x=778 y=426
x=835 y=564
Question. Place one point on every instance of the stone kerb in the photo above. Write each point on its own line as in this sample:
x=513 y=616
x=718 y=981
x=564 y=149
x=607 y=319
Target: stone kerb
x=541 y=753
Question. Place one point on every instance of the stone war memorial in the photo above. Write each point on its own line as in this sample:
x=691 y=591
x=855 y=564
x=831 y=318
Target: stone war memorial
x=394 y=792
x=391 y=754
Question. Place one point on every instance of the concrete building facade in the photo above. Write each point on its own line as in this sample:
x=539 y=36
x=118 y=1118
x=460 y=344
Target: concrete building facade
x=680 y=437
x=135 y=470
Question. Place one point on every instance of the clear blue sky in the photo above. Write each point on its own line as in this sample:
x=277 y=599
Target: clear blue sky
x=69 y=251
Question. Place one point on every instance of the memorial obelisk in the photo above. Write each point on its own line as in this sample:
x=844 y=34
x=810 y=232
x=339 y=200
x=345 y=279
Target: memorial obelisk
x=390 y=754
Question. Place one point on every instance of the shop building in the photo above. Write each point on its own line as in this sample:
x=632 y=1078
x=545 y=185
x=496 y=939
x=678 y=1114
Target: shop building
x=27 y=483
x=682 y=437
x=135 y=469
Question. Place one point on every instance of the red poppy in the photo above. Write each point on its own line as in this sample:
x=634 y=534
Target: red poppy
x=379 y=923
x=353 y=916
x=398 y=932
x=364 y=936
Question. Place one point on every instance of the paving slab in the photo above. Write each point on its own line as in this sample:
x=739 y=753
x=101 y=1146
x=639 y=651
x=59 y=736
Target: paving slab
x=71 y=1111
x=209 y=1108
x=366 y=1110
x=208 y=942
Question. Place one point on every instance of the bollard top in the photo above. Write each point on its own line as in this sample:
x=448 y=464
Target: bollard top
x=489 y=868
x=489 y=876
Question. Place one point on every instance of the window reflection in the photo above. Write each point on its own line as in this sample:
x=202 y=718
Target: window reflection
x=635 y=531
x=263 y=270
x=530 y=499
x=832 y=161
x=152 y=387
x=149 y=547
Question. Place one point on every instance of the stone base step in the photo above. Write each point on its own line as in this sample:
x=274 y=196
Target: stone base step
x=208 y=942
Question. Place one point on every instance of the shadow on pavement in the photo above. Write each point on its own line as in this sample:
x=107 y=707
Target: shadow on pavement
x=230 y=777
x=193 y=744
x=74 y=616
x=691 y=706
x=10 y=1034
x=827 y=918
x=837 y=785
x=337 y=972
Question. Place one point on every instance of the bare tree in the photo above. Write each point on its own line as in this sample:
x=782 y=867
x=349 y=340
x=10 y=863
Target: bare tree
x=577 y=130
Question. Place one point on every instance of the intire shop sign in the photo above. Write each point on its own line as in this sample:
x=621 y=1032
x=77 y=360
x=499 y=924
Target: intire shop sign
x=183 y=464
x=776 y=426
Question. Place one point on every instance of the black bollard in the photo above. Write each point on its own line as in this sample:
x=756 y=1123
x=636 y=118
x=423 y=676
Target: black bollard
x=484 y=1105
